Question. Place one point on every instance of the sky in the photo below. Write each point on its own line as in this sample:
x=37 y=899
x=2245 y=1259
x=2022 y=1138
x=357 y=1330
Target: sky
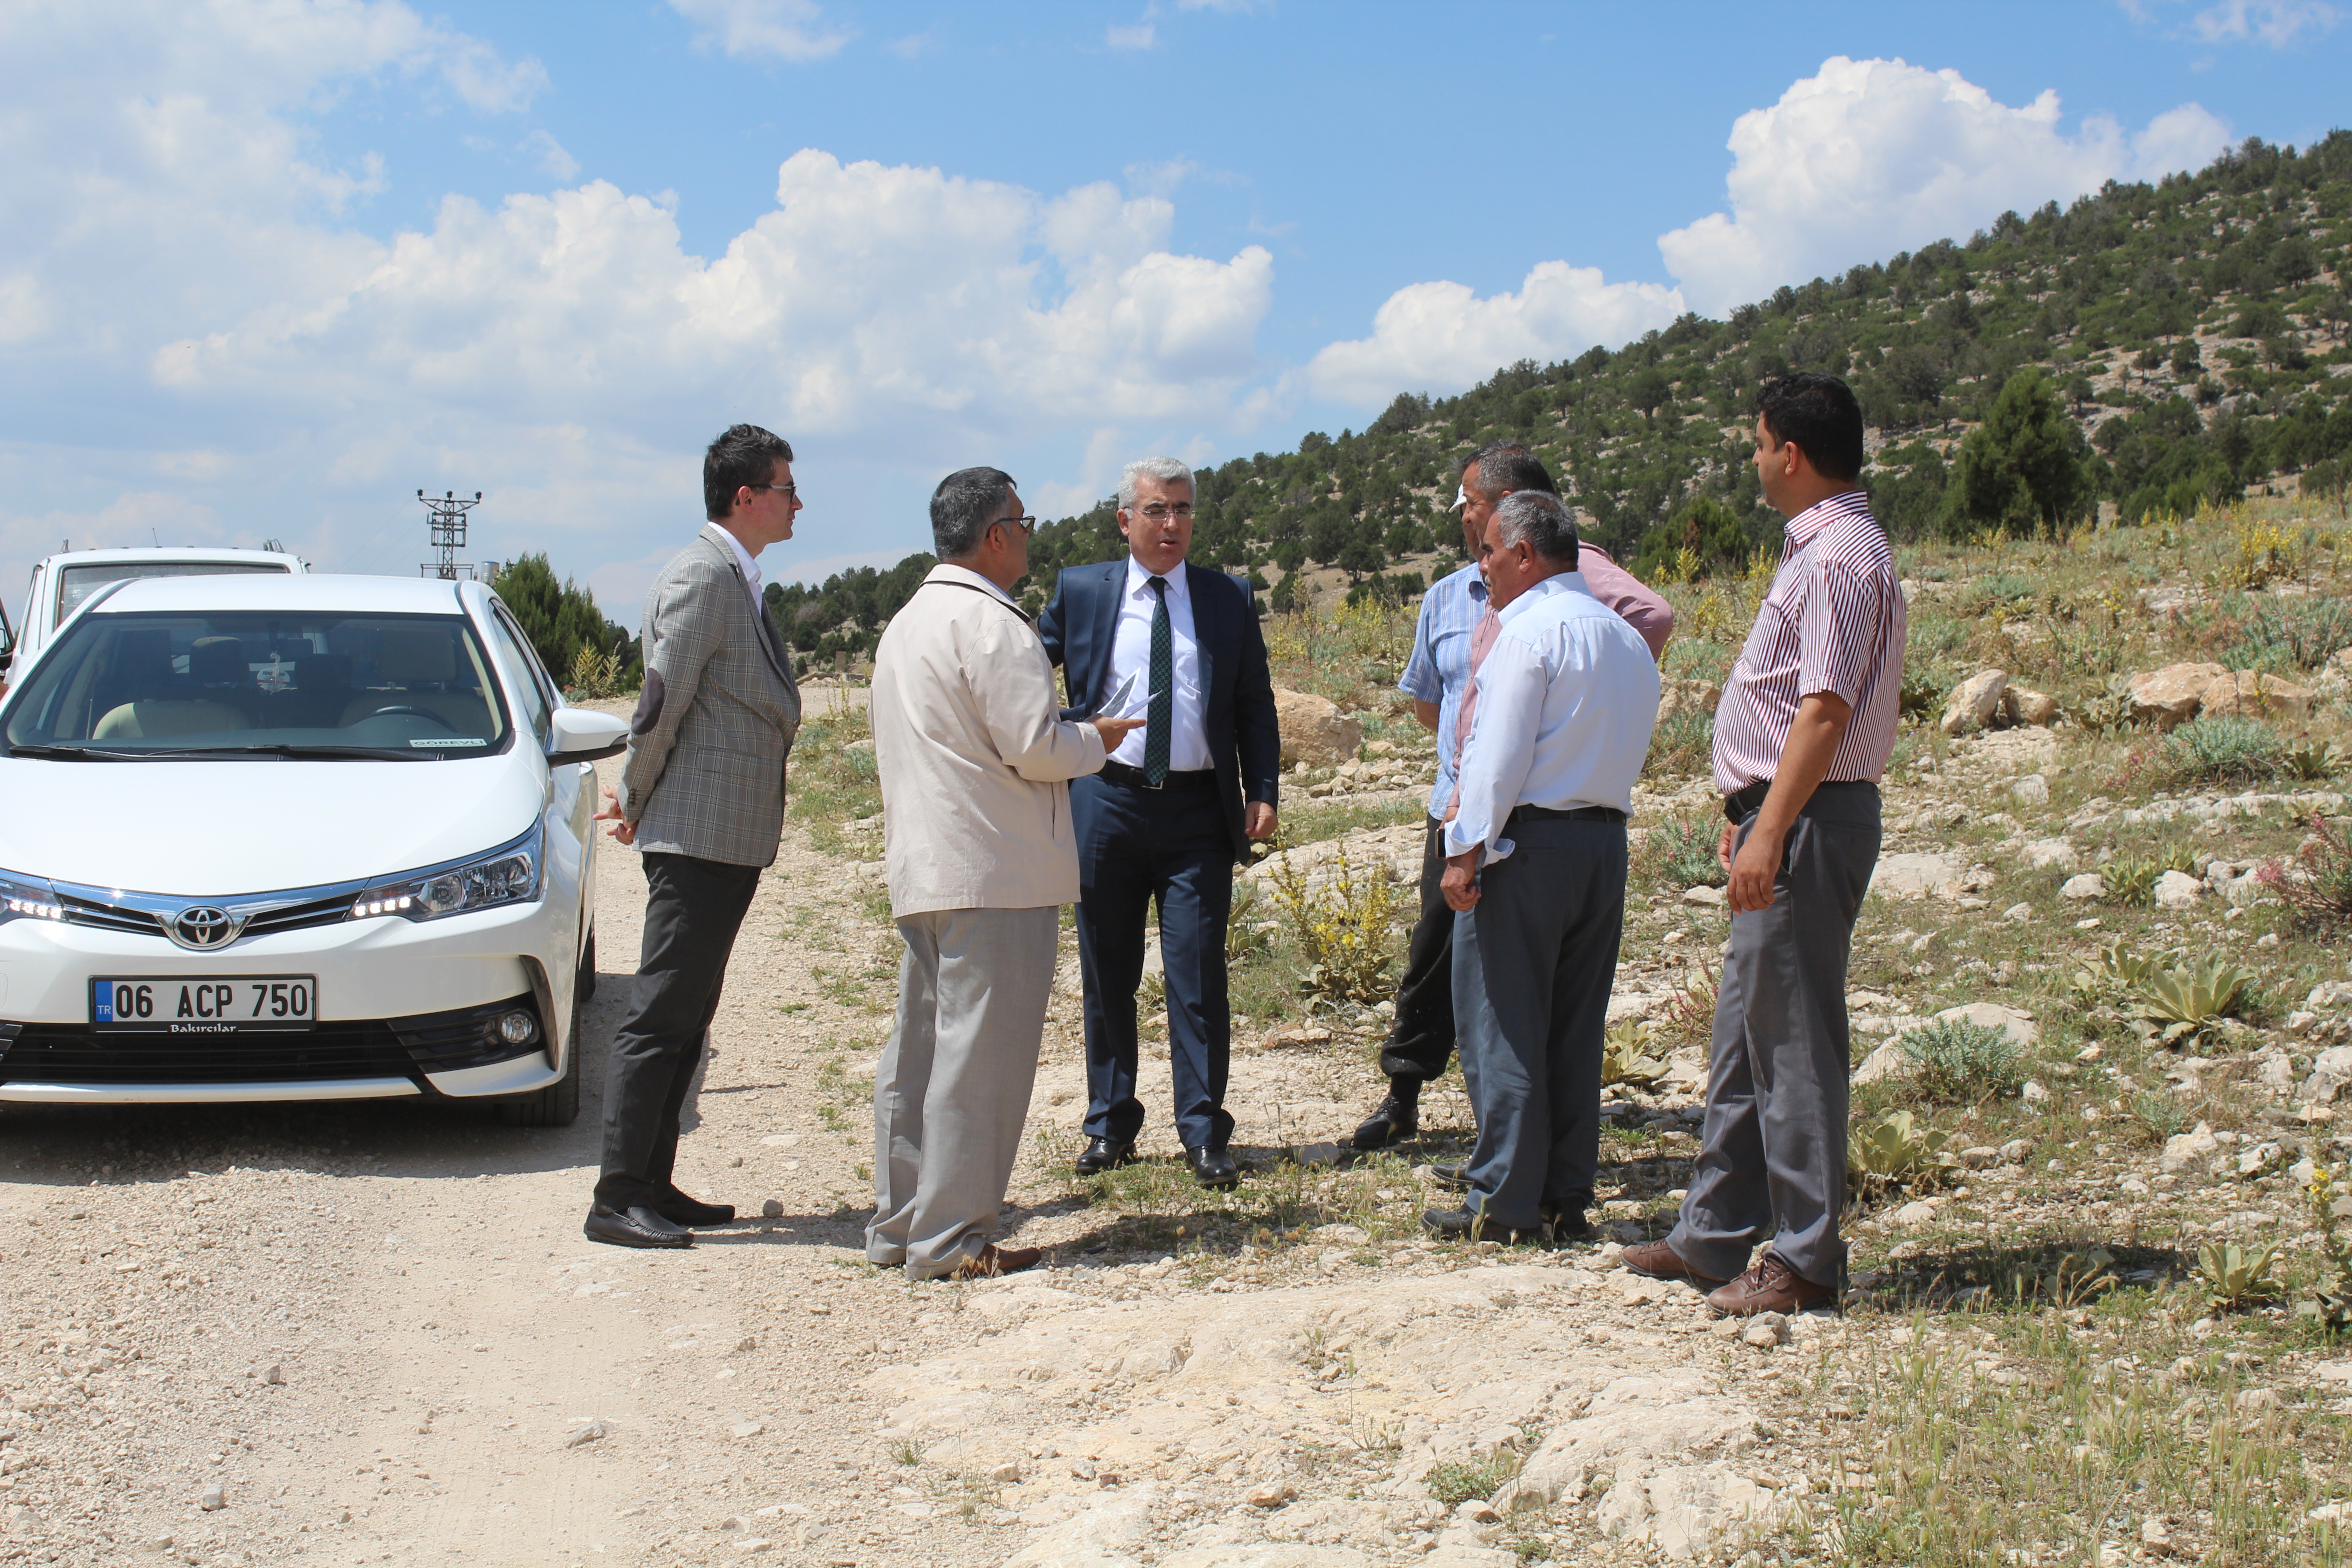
x=269 y=267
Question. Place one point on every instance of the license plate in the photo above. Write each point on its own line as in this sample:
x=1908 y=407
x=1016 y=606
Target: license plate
x=215 y=1004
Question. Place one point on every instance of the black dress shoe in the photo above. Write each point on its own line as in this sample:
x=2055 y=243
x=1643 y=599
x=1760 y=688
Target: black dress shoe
x=1397 y=1120
x=1213 y=1165
x=1468 y=1224
x=634 y=1228
x=1564 y=1223
x=1455 y=1175
x=1106 y=1154
x=679 y=1209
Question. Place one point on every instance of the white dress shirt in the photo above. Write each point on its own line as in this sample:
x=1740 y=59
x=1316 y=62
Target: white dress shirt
x=1566 y=701
x=743 y=558
x=1130 y=653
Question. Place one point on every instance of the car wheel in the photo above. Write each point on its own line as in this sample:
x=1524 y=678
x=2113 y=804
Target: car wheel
x=557 y=1105
x=588 y=967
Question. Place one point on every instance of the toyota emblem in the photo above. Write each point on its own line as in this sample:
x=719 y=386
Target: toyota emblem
x=204 y=926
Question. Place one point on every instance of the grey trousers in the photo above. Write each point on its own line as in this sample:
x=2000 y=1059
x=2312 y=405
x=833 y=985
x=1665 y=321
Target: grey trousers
x=1772 y=1160
x=1533 y=965
x=953 y=1089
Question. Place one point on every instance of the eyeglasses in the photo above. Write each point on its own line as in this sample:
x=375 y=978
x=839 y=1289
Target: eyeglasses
x=791 y=492
x=1027 y=525
x=1159 y=513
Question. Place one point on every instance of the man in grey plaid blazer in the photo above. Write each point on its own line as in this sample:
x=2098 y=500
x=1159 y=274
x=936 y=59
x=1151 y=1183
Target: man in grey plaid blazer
x=702 y=796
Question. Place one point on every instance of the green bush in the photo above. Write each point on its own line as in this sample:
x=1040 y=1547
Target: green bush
x=1961 y=1061
x=2294 y=634
x=1681 y=853
x=1683 y=743
x=2221 y=751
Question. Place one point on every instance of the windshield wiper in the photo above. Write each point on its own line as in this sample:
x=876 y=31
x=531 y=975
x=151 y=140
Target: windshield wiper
x=295 y=751
x=74 y=753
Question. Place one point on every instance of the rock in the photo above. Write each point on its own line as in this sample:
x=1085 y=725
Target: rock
x=1713 y=898
x=2247 y=694
x=2030 y=789
x=2042 y=853
x=1314 y=731
x=590 y=1433
x=2033 y=1091
x=214 y=1500
x=1686 y=695
x=2183 y=1150
x=2018 y=914
x=2177 y=891
x=772 y=1209
x=1270 y=1494
x=2016 y=1024
x=747 y=1428
x=1915 y=1213
x=1973 y=702
x=2023 y=705
x=2016 y=1151
x=273 y=1375
x=2258 y=1158
x=2088 y=885
x=1915 y=875
x=2331 y=1069
x=1889 y=1061
x=2156 y=1537
x=2329 y=996
x=2170 y=696
x=1984 y=1156
x=1005 y=1474
x=1766 y=1331
x=1392 y=852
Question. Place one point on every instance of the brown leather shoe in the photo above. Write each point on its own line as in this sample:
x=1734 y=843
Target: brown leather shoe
x=1771 y=1287
x=1661 y=1261
x=994 y=1261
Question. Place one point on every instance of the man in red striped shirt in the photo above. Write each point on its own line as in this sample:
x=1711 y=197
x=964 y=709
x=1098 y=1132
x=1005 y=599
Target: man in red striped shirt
x=1807 y=721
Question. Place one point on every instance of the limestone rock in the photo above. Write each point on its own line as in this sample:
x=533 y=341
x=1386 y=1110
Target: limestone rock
x=1888 y=1061
x=2030 y=789
x=2184 y=1150
x=1392 y=852
x=2329 y=996
x=2250 y=694
x=1315 y=731
x=1687 y=697
x=1713 y=898
x=1973 y=702
x=2331 y=1069
x=2172 y=695
x=2088 y=885
x=2177 y=891
x=2044 y=853
x=1915 y=875
x=2023 y=705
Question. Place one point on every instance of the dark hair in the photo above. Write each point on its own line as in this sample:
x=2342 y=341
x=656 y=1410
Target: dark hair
x=745 y=455
x=962 y=508
x=1818 y=413
x=1506 y=466
x=1537 y=518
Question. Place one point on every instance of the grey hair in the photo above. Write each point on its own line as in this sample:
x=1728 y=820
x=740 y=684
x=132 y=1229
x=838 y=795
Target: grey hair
x=1539 y=521
x=962 y=508
x=1164 y=468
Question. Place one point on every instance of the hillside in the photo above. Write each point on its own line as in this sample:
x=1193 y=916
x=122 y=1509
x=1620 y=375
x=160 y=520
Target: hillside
x=2192 y=333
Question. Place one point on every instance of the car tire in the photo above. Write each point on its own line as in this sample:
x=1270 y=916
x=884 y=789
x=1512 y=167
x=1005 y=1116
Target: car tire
x=557 y=1105
x=588 y=967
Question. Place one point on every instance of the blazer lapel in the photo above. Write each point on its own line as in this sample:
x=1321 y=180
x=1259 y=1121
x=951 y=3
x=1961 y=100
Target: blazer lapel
x=764 y=630
x=1208 y=622
x=1106 y=631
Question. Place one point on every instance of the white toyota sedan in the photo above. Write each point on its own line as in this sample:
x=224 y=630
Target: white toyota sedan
x=296 y=837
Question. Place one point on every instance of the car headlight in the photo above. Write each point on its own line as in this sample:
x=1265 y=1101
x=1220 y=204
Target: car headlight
x=506 y=875
x=28 y=899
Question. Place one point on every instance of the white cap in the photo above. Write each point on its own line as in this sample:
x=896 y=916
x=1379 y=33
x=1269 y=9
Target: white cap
x=1461 y=499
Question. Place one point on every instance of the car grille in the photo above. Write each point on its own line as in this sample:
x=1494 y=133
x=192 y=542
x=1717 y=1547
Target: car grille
x=396 y=1047
x=300 y=909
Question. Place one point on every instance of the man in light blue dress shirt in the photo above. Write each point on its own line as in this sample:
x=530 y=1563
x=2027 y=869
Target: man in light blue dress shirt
x=1535 y=859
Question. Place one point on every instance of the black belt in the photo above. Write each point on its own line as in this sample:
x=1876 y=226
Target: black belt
x=1134 y=778
x=1581 y=814
x=1747 y=803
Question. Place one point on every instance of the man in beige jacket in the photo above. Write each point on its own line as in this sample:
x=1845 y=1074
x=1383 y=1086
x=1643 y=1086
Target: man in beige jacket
x=980 y=856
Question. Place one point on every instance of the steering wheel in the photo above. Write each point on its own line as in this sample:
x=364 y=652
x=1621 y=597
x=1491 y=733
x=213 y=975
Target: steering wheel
x=411 y=712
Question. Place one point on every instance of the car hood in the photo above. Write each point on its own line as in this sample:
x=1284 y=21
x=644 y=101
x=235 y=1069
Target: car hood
x=222 y=829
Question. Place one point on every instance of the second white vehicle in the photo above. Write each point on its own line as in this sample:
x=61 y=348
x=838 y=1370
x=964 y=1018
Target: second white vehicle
x=293 y=838
x=62 y=582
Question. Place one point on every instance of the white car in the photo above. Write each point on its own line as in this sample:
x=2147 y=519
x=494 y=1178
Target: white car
x=60 y=584
x=275 y=837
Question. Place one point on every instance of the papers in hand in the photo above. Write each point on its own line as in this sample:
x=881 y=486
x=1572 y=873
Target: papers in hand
x=1119 y=706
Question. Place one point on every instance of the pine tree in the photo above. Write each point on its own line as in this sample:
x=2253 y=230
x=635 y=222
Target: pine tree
x=2026 y=466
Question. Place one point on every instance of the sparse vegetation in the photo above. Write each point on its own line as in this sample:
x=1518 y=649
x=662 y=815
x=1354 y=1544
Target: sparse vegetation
x=1960 y=1062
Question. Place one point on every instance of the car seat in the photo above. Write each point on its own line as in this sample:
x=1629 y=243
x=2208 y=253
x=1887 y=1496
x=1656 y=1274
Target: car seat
x=413 y=663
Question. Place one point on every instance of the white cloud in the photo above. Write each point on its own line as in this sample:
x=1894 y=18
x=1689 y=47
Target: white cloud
x=545 y=151
x=1869 y=157
x=1440 y=337
x=1139 y=36
x=786 y=30
x=2277 y=22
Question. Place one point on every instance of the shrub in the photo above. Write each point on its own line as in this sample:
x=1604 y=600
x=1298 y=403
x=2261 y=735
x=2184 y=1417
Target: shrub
x=2317 y=887
x=1683 y=743
x=1895 y=1151
x=1625 y=1054
x=2158 y=1116
x=2297 y=634
x=1680 y=852
x=2222 y=751
x=1961 y=1061
x=2190 y=999
x=1342 y=924
x=1455 y=1481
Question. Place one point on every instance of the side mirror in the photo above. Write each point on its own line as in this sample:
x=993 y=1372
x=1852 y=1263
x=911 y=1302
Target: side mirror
x=582 y=735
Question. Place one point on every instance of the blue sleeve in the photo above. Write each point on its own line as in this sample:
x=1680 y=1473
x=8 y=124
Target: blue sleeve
x=1419 y=679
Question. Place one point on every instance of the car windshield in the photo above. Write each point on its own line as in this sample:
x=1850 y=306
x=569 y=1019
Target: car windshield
x=236 y=683
x=76 y=583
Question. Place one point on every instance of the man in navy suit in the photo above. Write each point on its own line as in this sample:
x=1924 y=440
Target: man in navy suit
x=1171 y=811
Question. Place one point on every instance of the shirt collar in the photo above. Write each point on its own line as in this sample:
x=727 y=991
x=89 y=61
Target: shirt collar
x=947 y=571
x=742 y=556
x=1137 y=577
x=1806 y=525
x=1557 y=582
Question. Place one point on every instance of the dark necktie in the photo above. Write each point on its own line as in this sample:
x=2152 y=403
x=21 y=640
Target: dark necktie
x=1162 y=676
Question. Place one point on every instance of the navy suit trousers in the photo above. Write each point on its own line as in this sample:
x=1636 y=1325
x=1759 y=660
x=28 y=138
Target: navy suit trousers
x=1136 y=845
